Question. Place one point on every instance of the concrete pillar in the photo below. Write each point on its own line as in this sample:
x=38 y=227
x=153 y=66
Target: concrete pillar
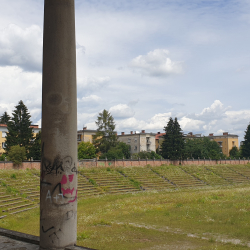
x=58 y=199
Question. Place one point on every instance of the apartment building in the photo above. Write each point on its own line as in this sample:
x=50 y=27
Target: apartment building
x=159 y=138
x=3 y=133
x=226 y=141
x=85 y=135
x=138 y=141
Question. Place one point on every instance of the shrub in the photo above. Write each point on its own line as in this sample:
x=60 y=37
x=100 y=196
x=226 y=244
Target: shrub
x=86 y=150
x=17 y=154
x=2 y=157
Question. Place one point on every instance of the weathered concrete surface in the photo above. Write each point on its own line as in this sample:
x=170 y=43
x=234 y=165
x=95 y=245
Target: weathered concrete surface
x=10 y=244
x=12 y=240
x=58 y=199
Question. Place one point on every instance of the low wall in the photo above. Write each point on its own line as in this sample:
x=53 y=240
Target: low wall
x=124 y=163
x=26 y=164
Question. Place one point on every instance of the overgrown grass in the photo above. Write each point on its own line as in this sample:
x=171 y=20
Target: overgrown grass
x=149 y=219
x=170 y=219
x=93 y=182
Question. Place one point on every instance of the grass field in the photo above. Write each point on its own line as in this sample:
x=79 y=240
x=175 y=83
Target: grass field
x=211 y=217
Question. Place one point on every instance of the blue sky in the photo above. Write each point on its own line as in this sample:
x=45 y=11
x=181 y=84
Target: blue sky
x=144 y=61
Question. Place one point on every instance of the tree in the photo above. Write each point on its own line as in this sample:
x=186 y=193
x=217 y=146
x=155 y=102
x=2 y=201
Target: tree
x=106 y=137
x=146 y=155
x=86 y=150
x=17 y=154
x=2 y=157
x=246 y=144
x=35 y=148
x=120 y=151
x=235 y=152
x=202 y=148
x=173 y=144
x=19 y=130
x=4 y=118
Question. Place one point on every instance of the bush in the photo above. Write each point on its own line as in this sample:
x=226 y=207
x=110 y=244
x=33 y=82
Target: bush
x=146 y=155
x=2 y=157
x=86 y=150
x=120 y=151
x=17 y=154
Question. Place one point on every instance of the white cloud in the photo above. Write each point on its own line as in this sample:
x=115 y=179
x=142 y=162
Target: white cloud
x=21 y=47
x=155 y=123
x=156 y=63
x=121 y=111
x=188 y=124
x=91 y=98
x=215 y=111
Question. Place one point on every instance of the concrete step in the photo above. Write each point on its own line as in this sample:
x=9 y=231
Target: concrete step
x=14 y=208
x=13 y=203
x=23 y=210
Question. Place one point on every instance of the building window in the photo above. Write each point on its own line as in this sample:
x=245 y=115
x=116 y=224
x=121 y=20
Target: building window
x=135 y=148
x=129 y=140
x=148 y=140
x=78 y=137
x=233 y=143
x=3 y=134
x=3 y=145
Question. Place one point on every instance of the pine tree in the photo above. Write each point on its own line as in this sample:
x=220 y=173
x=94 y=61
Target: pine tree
x=246 y=145
x=173 y=144
x=19 y=131
x=106 y=137
x=35 y=148
x=4 y=118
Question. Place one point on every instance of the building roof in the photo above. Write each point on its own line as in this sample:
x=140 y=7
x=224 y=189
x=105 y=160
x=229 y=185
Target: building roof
x=228 y=135
x=86 y=130
x=158 y=135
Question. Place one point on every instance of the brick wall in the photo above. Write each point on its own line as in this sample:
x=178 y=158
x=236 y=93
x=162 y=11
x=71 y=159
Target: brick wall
x=125 y=163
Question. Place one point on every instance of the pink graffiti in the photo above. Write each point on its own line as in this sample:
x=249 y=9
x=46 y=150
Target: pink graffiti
x=71 y=177
x=64 y=180
x=68 y=191
x=75 y=197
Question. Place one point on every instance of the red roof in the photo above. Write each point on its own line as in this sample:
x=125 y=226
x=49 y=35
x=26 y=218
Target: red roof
x=34 y=126
x=159 y=135
x=3 y=125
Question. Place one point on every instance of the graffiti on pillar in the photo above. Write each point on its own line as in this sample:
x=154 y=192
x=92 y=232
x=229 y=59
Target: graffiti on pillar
x=58 y=186
x=64 y=172
x=70 y=214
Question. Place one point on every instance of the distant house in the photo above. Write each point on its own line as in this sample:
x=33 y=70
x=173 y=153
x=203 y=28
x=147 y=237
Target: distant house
x=85 y=135
x=226 y=141
x=3 y=133
x=159 y=138
x=138 y=141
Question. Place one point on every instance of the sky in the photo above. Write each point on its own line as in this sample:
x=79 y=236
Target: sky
x=143 y=60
